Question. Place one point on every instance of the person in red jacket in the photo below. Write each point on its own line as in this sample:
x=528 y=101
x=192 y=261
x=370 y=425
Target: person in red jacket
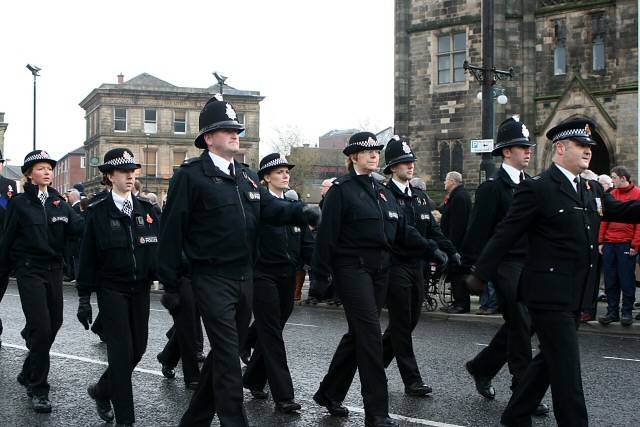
x=619 y=245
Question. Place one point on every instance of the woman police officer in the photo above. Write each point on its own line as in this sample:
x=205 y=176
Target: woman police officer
x=118 y=262
x=361 y=221
x=37 y=225
x=280 y=249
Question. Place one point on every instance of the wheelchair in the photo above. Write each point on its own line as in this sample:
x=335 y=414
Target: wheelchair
x=437 y=287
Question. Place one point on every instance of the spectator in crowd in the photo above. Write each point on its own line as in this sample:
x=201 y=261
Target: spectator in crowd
x=153 y=199
x=455 y=216
x=606 y=182
x=619 y=244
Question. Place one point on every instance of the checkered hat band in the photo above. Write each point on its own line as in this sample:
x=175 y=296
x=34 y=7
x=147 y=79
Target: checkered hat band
x=367 y=144
x=36 y=157
x=275 y=162
x=570 y=133
x=119 y=161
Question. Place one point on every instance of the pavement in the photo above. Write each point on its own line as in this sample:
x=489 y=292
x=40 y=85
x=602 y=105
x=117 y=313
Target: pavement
x=610 y=366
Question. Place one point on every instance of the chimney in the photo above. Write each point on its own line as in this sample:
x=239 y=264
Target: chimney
x=120 y=78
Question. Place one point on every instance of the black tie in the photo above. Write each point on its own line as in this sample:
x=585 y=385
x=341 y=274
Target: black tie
x=406 y=191
x=231 y=173
x=578 y=188
x=521 y=176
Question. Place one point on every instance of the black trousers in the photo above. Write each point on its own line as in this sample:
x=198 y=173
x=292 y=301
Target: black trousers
x=557 y=364
x=225 y=305
x=459 y=292
x=363 y=292
x=404 y=302
x=4 y=282
x=272 y=306
x=125 y=320
x=40 y=290
x=183 y=336
x=512 y=343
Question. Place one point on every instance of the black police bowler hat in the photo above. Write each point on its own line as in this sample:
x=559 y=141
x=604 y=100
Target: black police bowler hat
x=362 y=141
x=397 y=151
x=37 y=156
x=272 y=161
x=512 y=133
x=216 y=114
x=579 y=130
x=119 y=159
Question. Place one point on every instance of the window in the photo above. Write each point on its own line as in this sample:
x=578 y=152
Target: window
x=598 y=30
x=560 y=52
x=445 y=160
x=178 y=158
x=452 y=51
x=598 y=54
x=82 y=162
x=451 y=158
x=120 y=119
x=240 y=118
x=179 y=122
x=150 y=123
x=150 y=163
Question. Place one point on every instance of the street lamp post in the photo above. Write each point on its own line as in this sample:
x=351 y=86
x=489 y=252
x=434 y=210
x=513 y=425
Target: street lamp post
x=34 y=70
x=487 y=75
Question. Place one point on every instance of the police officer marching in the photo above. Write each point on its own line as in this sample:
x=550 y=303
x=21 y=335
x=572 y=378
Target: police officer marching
x=7 y=191
x=280 y=249
x=406 y=279
x=361 y=221
x=212 y=213
x=118 y=262
x=560 y=213
x=37 y=225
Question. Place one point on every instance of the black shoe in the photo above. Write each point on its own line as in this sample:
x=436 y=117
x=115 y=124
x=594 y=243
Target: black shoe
x=311 y=301
x=626 y=320
x=454 y=309
x=41 y=404
x=193 y=385
x=103 y=406
x=483 y=384
x=167 y=370
x=418 y=389
x=258 y=394
x=200 y=357
x=541 y=410
x=377 y=421
x=605 y=320
x=245 y=356
x=334 y=408
x=287 y=406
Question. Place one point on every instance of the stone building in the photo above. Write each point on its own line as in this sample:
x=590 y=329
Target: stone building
x=70 y=170
x=158 y=122
x=3 y=129
x=571 y=59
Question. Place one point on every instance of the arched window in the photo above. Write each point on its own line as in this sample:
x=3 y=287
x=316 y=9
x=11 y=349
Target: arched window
x=445 y=159
x=457 y=157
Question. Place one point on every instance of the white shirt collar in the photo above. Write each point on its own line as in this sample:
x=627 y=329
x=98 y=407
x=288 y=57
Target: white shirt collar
x=119 y=200
x=569 y=176
x=275 y=195
x=222 y=164
x=401 y=186
x=513 y=173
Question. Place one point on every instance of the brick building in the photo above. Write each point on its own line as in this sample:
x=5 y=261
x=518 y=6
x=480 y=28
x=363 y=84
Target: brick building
x=336 y=138
x=70 y=170
x=158 y=122
x=572 y=59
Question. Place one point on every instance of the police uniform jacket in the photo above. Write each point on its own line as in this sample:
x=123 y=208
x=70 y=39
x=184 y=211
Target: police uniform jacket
x=455 y=215
x=560 y=267
x=118 y=251
x=283 y=248
x=361 y=221
x=34 y=233
x=417 y=209
x=493 y=200
x=214 y=218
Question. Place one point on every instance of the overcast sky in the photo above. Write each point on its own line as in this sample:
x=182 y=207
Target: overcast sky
x=321 y=65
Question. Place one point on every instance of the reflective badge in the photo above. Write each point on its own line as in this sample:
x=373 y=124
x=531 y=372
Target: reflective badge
x=253 y=195
x=296 y=229
x=382 y=196
x=139 y=221
x=599 y=205
x=393 y=215
x=148 y=239
x=424 y=217
x=60 y=219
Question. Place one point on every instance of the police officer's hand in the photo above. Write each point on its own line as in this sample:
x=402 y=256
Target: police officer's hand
x=170 y=300
x=455 y=260
x=474 y=284
x=311 y=215
x=84 y=311
x=440 y=257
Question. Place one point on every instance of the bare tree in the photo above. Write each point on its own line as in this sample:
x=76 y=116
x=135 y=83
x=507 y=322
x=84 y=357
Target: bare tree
x=286 y=138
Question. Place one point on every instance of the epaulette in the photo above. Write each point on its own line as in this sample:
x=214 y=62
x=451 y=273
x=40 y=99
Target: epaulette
x=96 y=202
x=340 y=180
x=246 y=165
x=144 y=200
x=191 y=161
x=535 y=178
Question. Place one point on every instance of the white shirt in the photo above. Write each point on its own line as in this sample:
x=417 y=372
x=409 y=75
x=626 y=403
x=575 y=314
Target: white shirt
x=513 y=173
x=569 y=176
x=275 y=195
x=41 y=192
x=222 y=164
x=401 y=186
x=119 y=200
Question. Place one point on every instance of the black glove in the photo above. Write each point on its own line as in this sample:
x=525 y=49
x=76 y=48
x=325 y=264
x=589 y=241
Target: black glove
x=440 y=257
x=170 y=300
x=311 y=215
x=84 y=311
x=455 y=260
x=474 y=284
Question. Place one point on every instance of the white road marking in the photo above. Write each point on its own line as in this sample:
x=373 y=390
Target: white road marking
x=621 y=358
x=159 y=374
x=482 y=345
x=302 y=324
x=408 y=419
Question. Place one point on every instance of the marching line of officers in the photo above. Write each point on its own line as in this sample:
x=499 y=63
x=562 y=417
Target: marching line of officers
x=229 y=244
